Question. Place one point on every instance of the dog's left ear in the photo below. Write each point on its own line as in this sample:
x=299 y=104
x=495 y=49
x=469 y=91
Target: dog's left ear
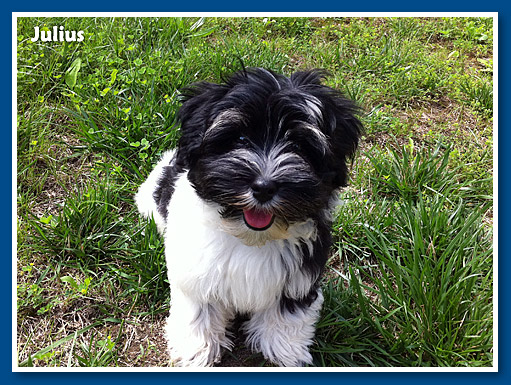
x=196 y=113
x=339 y=123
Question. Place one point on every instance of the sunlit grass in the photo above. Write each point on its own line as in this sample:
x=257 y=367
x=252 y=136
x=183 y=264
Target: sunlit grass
x=410 y=279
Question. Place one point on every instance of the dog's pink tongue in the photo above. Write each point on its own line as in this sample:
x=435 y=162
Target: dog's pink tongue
x=257 y=219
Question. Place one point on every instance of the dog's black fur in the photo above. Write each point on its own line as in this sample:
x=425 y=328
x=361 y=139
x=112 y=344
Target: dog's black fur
x=275 y=111
x=245 y=204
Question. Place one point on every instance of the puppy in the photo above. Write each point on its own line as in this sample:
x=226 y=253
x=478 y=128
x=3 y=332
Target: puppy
x=244 y=204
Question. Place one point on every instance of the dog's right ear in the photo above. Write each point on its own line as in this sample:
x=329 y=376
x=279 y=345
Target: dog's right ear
x=199 y=107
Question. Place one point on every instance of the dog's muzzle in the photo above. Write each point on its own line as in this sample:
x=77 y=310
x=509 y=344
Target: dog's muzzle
x=263 y=190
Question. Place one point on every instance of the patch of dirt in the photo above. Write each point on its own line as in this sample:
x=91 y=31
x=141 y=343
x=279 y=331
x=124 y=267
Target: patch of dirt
x=426 y=121
x=144 y=344
x=454 y=120
x=139 y=341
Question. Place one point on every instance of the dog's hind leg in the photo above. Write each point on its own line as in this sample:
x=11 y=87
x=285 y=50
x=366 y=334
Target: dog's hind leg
x=196 y=333
x=283 y=335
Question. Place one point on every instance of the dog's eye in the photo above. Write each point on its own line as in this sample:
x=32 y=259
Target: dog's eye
x=296 y=147
x=243 y=140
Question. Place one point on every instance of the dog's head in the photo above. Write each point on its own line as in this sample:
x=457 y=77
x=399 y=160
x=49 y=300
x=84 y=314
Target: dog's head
x=267 y=149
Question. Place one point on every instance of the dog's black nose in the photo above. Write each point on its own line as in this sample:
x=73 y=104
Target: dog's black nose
x=263 y=189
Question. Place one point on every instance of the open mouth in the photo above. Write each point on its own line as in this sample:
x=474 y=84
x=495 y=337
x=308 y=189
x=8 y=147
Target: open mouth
x=257 y=219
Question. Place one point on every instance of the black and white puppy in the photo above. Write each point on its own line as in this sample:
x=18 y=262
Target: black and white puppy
x=244 y=204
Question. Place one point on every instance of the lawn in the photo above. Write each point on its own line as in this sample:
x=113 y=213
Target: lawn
x=410 y=278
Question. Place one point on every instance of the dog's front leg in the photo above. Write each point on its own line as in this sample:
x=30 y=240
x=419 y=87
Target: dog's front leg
x=282 y=335
x=196 y=332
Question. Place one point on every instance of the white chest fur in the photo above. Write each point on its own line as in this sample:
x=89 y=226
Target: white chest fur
x=209 y=264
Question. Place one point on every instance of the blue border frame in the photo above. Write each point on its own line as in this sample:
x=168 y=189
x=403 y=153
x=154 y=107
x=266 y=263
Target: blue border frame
x=504 y=16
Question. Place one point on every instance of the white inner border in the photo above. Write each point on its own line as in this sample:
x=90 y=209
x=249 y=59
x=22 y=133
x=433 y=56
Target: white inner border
x=494 y=15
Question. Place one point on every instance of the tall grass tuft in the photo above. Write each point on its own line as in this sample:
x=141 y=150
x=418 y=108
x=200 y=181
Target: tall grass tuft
x=423 y=277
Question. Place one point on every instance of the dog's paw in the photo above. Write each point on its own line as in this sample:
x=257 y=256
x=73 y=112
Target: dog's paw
x=282 y=351
x=194 y=356
x=284 y=337
x=297 y=359
x=196 y=332
x=188 y=348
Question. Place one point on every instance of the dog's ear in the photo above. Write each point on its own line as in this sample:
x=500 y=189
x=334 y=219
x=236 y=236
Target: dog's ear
x=199 y=102
x=345 y=130
x=339 y=123
x=345 y=138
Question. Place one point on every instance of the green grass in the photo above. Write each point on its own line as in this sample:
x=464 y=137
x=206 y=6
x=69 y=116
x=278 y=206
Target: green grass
x=410 y=278
x=434 y=259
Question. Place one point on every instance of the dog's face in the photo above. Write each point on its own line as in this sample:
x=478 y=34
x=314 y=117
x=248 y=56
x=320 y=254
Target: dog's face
x=267 y=149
